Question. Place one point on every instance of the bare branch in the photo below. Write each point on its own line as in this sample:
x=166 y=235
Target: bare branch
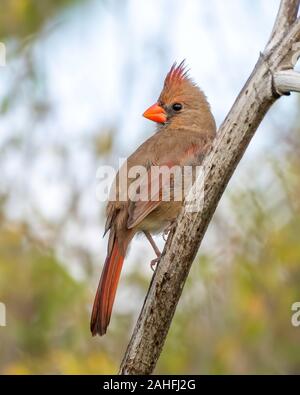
x=260 y=91
x=287 y=81
x=286 y=16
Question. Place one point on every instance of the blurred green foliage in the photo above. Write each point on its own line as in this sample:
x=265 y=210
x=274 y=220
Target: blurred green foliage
x=235 y=313
x=20 y=18
x=47 y=314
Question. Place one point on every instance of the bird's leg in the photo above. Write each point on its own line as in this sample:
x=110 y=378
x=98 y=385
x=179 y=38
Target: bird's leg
x=155 y=261
x=168 y=229
x=152 y=242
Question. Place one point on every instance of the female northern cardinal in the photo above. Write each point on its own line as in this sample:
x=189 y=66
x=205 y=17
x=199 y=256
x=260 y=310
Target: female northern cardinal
x=186 y=128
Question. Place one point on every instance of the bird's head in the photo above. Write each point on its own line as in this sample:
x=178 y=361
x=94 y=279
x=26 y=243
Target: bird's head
x=181 y=100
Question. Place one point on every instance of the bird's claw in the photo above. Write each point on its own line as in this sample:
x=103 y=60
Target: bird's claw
x=154 y=263
x=168 y=229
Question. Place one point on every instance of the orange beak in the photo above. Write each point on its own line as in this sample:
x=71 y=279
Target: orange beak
x=156 y=113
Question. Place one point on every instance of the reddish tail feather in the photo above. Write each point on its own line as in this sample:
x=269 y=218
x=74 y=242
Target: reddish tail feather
x=106 y=291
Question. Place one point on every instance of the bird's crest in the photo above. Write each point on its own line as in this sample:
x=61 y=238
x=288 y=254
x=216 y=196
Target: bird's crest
x=177 y=74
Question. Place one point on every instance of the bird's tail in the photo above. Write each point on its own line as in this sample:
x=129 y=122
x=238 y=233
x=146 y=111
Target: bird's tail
x=107 y=288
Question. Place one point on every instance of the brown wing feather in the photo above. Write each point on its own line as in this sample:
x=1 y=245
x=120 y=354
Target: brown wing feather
x=150 y=186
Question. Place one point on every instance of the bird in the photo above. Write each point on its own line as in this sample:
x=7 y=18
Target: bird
x=185 y=129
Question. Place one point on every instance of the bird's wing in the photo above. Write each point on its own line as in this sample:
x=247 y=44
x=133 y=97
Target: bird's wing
x=150 y=188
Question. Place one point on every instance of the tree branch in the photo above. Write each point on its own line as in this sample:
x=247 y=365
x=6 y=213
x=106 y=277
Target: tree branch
x=287 y=81
x=262 y=89
x=286 y=16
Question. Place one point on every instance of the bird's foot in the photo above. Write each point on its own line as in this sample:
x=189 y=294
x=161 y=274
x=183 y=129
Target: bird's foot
x=168 y=229
x=154 y=263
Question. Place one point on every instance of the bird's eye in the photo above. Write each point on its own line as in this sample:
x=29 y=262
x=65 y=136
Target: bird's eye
x=177 y=107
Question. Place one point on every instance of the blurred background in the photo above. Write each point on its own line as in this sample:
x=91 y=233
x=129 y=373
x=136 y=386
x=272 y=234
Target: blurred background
x=78 y=76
